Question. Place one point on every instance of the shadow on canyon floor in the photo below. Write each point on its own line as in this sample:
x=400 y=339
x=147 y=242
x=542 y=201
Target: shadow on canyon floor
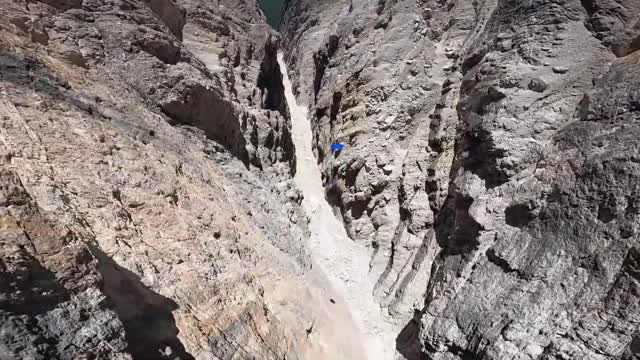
x=408 y=341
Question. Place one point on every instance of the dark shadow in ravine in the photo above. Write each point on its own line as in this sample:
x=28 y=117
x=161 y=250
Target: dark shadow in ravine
x=31 y=295
x=272 y=10
x=207 y=109
x=147 y=317
x=408 y=341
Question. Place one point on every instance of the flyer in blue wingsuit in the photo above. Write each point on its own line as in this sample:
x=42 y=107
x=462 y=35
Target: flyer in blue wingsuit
x=337 y=147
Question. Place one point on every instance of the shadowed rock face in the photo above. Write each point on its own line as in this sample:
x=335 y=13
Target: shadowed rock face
x=49 y=287
x=490 y=166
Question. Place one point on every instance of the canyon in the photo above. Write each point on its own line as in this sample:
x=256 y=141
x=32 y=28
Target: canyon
x=168 y=189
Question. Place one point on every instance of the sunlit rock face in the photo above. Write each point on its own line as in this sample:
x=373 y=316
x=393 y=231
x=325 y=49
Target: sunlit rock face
x=146 y=204
x=490 y=166
x=485 y=204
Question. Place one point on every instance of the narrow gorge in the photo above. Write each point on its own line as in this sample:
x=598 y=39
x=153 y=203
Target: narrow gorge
x=168 y=188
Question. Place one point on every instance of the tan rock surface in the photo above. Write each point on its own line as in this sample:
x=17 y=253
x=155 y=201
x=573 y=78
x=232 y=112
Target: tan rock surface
x=150 y=211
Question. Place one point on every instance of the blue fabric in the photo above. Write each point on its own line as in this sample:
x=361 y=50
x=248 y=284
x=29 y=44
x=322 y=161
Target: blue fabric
x=337 y=147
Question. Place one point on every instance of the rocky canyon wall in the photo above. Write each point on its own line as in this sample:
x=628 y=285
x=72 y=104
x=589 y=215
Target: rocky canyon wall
x=491 y=166
x=490 y=180
x=147 y=204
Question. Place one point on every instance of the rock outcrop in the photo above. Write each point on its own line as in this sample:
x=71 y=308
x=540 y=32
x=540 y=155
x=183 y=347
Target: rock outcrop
x=147 y=205
x=490 y=181
x=490 y=166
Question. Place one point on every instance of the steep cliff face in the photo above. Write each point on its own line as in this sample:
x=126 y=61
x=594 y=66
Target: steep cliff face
x=490 y=166
x=147 y=209
x=371 y=79
x=490 y=183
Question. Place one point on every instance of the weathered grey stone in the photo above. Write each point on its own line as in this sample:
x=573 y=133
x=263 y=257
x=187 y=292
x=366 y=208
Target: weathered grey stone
x=147 y=207
x=537 y=85
x=522 y=244
x=138 y=200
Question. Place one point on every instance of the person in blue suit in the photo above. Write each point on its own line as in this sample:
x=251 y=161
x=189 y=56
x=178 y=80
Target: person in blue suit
x=336 y=148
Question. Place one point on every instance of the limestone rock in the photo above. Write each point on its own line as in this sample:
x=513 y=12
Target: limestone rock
x=138 y=200
x=489 y=182
x=511 y=223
